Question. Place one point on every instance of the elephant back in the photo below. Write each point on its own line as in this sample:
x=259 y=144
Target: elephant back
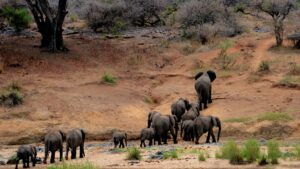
x=75 y=137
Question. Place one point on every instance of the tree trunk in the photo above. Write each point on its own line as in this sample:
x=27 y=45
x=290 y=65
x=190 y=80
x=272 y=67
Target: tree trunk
x=278 y=30
x=49 y=24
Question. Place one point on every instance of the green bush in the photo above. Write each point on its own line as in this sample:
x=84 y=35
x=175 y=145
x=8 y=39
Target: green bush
x=11 y=96
x=202 y=156
x=275 y=117
x=297 y=152
x=264 y=67
x=18 y=18
x=85 y=165
x=251 y=150
x=263 y=160
x=134 y=154
x=170 y=154
x=109 y=78
x=232 y=152
x=273 y=152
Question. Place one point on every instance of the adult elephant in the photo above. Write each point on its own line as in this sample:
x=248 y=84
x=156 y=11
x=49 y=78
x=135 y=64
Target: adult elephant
x=75 y=138
x=53 y=142
x=178 y=109
x=203 y=124
x=204 y=88
x=162 y=124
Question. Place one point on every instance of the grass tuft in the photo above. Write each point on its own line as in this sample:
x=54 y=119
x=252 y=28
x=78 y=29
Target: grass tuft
x=170 y=154
x=263 y=160
x=64 y=165
x=232 y=152
x=134 y=154
x=202 y=156
x=238 y=120
x=264 y=67
x=109 y=78
x=11 y=96
x=275 y=117
x=273 y=152
x=297 y=152
x=251 y=150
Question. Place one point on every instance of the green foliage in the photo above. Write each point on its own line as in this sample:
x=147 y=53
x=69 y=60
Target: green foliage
x=275 y=117
x=11 y=96
x=18 y=18
x=134 y=154
x=148 y=100
x=218 y=155
x=109 y=78
x=224 y=45
x=170 y=154
x=273 y=152
x=73 y=17
x=263 y=160
x=226 y=61
x=251 y=150
x=240 y=7
x=264 y=67
x=118 y=27
x=297 y=152
x=238 y=120
x=64 y=165
x=202 y=156
x=290 y=81
x=232 y=152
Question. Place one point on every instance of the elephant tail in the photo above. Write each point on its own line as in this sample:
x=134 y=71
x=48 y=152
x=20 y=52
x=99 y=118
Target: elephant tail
x=83 y=135
x=220 y=128
x=126 y=139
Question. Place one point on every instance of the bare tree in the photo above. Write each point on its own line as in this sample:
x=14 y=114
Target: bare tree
x=278 y=10
x=49 y=22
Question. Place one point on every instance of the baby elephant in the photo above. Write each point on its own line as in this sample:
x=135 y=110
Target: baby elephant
x=75 y=138
x=24 y=153
x=147 y=134
x=118 y=138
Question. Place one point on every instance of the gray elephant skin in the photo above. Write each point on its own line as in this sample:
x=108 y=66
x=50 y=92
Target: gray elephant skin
x=178 y=109
x=53 y=142
x=203 y=124
x=119 y=138
x=75 y=138
x=147 y=134
x=162 y=124
x=192 y=113
x=26 y=153
x=187 y=129
x=203 y=87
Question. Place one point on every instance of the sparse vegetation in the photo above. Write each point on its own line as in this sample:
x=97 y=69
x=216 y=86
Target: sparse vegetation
x=170 y=154
x=187 y=50
x=238 y=120
x=109 y=78
x=232 y=152
x=18 y=18
x=202 y=156
x=297 y=152
x=251 y=150
x=294 y=70
x=148 y=100
x=64 y=165
x=289 y=81
x=264 y=67
x=11 y=96
x=273 y=152
x=133 y=154
x=225 y=60
x=263 y=160
x=275 y=117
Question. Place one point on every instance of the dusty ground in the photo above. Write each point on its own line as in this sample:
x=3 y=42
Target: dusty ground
x=66 y=91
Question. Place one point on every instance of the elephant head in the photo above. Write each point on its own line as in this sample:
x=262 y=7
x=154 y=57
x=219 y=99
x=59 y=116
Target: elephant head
x=211 y=74
x=186 y=102
x=216 y=122
x=150 y=117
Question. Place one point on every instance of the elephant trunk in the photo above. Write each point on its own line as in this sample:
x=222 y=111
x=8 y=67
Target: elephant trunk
x=126 y=139
x=220 y=128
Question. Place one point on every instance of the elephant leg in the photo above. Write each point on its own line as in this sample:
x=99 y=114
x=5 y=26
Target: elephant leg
x=122 y=144
x=150 y=142
x=205 y=103
x=141 y=145
x=174 y=136
x=24 y=162
x=17 y=162
x=52 y=159
x=116 y=143
x=32 y=157
x=213 y=136
x=208 y=136
x=159 y=140
x=46 y=155
x=73 y=153
x=60 y=153
x=67 y=151
x=28 y=161
x=81 y=151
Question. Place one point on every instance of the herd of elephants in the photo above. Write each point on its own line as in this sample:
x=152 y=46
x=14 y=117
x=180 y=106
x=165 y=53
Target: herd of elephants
x=186 y=114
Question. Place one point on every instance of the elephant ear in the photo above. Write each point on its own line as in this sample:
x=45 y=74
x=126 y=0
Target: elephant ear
x=187 y=104
x=212 y=75
x=198 y=75
x=63 y=135
x=172 y=119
